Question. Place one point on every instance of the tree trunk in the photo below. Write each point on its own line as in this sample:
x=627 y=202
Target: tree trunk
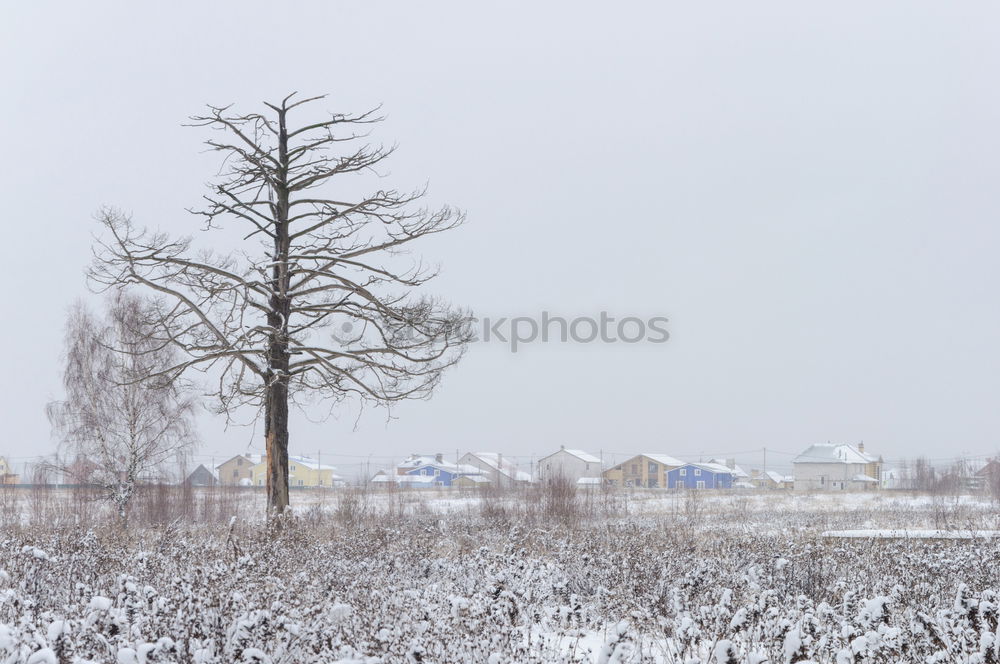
x=277 y=447
x=276 y=396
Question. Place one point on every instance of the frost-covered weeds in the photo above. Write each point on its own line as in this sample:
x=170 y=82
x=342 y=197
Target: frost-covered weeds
x=394 y=581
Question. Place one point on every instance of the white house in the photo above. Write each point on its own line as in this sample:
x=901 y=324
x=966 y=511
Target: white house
x=830 y=467
x=500 y=471
x=569 y=464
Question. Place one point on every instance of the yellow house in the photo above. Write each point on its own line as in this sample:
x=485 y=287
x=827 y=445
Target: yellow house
x=302 y=472
x=238 y=470
x=645 y=470
x=7 y=474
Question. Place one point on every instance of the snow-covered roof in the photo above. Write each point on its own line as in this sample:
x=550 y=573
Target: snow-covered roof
x=252 y=458
x=832 y=453
x=421 y=460
x=864 y=478
x=716 y=468
x=580 y=454
x=589 y=481
x=737 y=471
x=775 y=476
x=415 y=463
x=504 y=466
x=309 y=463
x=664 y=459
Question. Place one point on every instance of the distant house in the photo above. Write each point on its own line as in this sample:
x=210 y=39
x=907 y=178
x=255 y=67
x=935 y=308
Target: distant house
x=500 y=471
x=988 y=477
x=201 y=476
x=444 y=473
x=700 y=476
x=471 y=482
x=569 y=464
x=644 y=470
x=238 y=471
x=7 y=474
x=303 y=472
x=770 y=479
x=831 y=467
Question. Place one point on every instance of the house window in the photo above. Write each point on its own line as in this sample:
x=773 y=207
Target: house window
x=424 y=472
x=635 y=469
x=437 y=472
x=701 y=484
x=301 y=482
x=292 y=468
x=652 y=468
x=236 y=472
x=239 y=461
x=697 y=472
x=684 y=472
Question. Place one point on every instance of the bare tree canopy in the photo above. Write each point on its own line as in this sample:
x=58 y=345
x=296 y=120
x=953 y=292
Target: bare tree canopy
x=260 y=316
x=122 y=421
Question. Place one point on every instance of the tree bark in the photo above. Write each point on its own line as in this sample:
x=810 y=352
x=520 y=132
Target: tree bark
x=276 y=396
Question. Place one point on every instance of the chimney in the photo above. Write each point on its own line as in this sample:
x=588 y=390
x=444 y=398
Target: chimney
x=861 y=447
x=439 y=457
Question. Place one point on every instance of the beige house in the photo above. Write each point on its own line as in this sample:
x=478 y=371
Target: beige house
x=7 y=474
x=831 y=467
x=238 y=471
x=471 y=482
x=302 y=472
x=644 y=470
x=769 y=479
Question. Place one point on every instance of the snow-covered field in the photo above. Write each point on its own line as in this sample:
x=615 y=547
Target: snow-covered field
x=445 y=577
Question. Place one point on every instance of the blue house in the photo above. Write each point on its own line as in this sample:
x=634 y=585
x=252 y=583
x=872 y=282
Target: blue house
x=442 y=472
x=700 y=476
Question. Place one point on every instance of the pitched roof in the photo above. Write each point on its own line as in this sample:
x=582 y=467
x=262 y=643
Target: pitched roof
x=716 y=468
x=737 y=471
x=254 y=459
x=309 y=463
x=775 y=476
x=832 y=453
x=502 y=465
x=421 y=461
x=664 y=459
x=580 y=454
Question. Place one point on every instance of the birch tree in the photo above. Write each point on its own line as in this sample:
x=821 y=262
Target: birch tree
x=121 y=420
x=319 y=301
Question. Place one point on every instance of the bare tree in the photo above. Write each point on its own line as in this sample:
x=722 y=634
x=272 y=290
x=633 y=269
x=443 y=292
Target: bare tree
x=121 y=420
x=261 y=317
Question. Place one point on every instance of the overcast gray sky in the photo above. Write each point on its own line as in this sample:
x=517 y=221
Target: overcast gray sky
x=807 y=190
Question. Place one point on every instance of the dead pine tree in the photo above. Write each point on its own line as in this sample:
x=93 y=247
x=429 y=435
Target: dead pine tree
x=317 y=301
